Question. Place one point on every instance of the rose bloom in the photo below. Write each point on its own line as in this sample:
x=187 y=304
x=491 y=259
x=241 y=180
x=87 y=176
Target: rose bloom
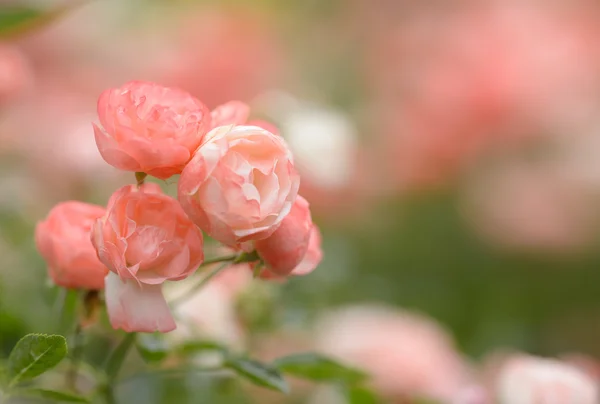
x=530 y=380
x=295 y=247
x=145 y=238
x=240 y=184
x=63 y=239
x=150 y=128
x=287 y=246
x=406 y=355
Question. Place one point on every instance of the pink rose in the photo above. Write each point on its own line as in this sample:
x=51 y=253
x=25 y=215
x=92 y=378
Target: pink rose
x=240 y=184
x=405 y=354
x=63 y=239
x=286 y=247
x=145 y=238
x=230 y=113
x=313 y=256
x=150 y=128
x=530 y=380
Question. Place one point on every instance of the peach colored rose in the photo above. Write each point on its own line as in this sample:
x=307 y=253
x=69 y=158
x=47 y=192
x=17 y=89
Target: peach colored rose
x=240 y=184
x=144 y=239
x=313 y=256
x=230 y=113
x=286 y=247
x=63 y=239
x=150 y=128
x=529 y=380
x=407 y=355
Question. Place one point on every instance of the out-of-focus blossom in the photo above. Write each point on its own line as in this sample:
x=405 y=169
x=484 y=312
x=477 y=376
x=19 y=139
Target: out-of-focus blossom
x=150 y=128
x=15 y=73
x=145 y=238
x=324 y=140
x=285 y=249
x=240 y=184
x=230 y=113
x=406 y=355
x=454 y=84
x=530 y=380
x=63 y=239
x=530 y=206
x=211 y=313
x=222 y=54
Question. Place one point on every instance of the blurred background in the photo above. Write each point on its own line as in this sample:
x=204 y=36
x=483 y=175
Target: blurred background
x=450 y=151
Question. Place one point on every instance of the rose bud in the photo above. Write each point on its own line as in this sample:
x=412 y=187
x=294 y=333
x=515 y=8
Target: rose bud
x=63 y=239
x=285 y=249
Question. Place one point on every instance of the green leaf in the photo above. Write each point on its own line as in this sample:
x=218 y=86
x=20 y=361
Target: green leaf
x=152 y=347
x=258 y=373
x=15 y=20
x=53 y=395
x=116 y=359
x=316 y=367
x=33 y=355
x=361 y=395
x=193 y=347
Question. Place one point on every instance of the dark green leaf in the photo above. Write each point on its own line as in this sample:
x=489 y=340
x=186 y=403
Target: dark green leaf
x=361 y=395
x=258 y=373
x=152 y=347
x=313 y=366
x=15 y=19
x=53 y=395
x=34 y=354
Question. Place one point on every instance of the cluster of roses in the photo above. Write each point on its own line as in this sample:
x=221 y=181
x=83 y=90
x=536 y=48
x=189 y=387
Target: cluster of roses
x=238 y=184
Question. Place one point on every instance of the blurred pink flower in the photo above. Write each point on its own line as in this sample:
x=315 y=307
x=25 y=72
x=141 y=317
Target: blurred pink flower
x=530 y=380
x=224 y=54
x=406 y=354
x=454 y=84
x=150 y=128
x=16 y=74
x=529 y=206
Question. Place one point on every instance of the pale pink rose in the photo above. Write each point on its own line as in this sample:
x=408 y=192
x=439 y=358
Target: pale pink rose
x=240 y=184
x=63 y=239
x=405 y=354
x=145 y=238
x=530 y=380
x=286 y=247
x=150 y=128
x=230 y=113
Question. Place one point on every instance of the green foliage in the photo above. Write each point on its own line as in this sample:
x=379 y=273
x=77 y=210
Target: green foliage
x=33 y=355
x=152 y=347
x=52 y=395
x=361 y=395
x=258 y=373
x=116 y=359
x=16 y=20
x=316 y=367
